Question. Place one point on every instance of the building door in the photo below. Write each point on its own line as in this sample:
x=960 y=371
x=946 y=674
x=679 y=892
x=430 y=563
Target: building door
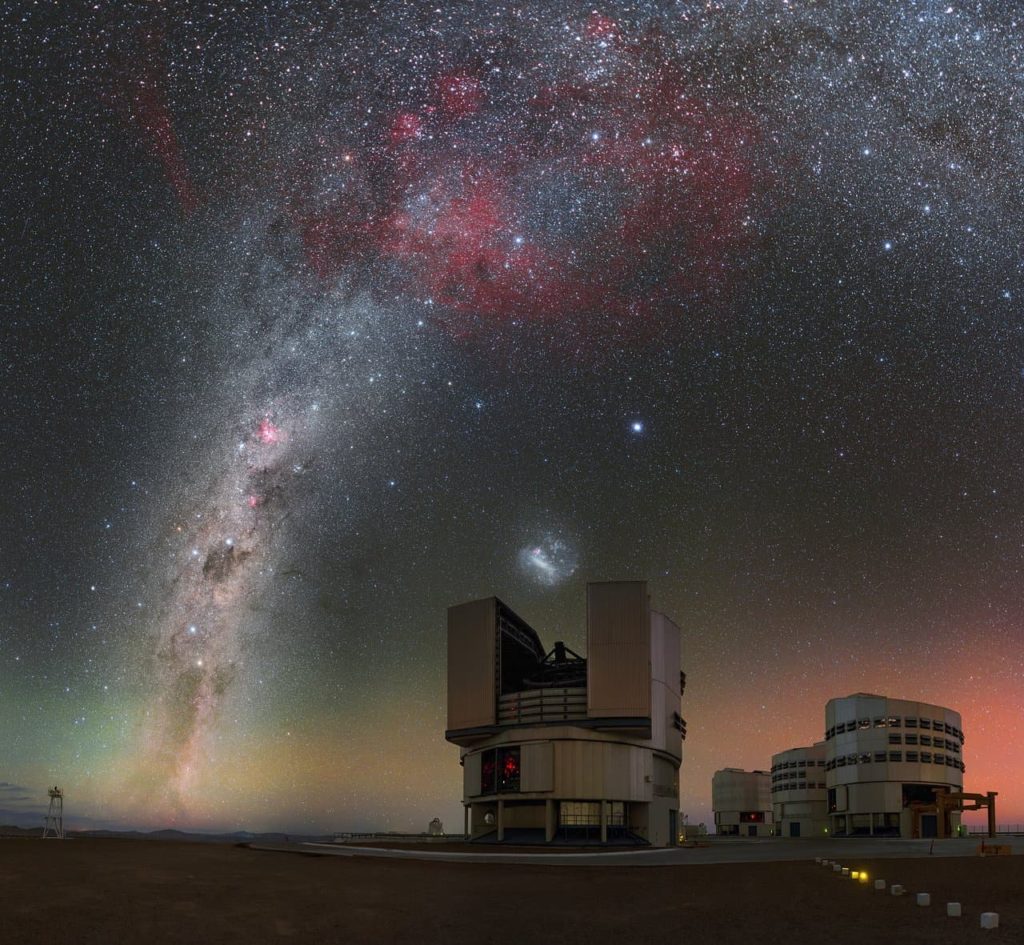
x=794 y=828
x=929 y=826
x=673 y=827
x=752 y=830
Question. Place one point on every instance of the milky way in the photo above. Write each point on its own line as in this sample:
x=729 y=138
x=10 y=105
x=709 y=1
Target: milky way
x=326 y=316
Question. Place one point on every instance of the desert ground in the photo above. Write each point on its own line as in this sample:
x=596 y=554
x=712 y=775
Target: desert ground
x=86 y=891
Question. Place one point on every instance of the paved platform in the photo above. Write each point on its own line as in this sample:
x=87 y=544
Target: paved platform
x=717 y=851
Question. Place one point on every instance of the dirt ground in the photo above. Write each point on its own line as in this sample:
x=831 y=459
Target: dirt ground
x=122 y=891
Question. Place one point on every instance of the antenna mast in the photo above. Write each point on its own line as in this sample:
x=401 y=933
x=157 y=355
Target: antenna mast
x=54 y=825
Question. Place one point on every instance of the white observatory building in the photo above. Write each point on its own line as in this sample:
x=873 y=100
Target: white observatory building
x=558 y=747
x=884 y=756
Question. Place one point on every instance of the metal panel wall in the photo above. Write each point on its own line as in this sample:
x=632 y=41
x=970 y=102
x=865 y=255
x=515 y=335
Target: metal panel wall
x=618 y=650
x=472 y=640
x=471 y=775
x=537 y=760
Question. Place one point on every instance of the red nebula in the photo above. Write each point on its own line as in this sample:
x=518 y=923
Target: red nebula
x=143 y=94
x=267 y=433
x=255 y=501
x=599 y=26
x=406 y=126
x=460 y=94
x=609 y=205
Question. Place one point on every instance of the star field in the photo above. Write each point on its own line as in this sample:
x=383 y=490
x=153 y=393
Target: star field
x=320 y=317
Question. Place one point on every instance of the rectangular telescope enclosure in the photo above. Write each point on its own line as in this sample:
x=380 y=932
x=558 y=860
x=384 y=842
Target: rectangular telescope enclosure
x=618 y=650
x=558 y=747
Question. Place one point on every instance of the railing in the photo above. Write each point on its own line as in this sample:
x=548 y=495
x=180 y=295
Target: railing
x=542 y=705
x=980 y=830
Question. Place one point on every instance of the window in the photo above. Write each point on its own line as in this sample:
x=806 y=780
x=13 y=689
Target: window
x=950 y=761
x=909 y=739
x=895 y=755
x=879 y=756
x=865 y=758
x=926 y=723
x=830 y=733
x=894 y=721
x=926 y=757
x=910 y=722
x=938 y=725
x=851 y=759
x=841 y=761
x=926 y=740
x=751 y=816
x=880 y=722
x=499 y=771
x=912 y=757
x=940 y=759
x=895 y=740
x=579 y=813
x=821 y=762
x=864 y=723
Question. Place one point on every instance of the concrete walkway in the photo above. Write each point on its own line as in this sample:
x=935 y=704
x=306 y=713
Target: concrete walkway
x=717 y=851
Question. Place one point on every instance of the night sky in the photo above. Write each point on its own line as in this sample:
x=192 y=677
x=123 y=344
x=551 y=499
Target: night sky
x=321 y=317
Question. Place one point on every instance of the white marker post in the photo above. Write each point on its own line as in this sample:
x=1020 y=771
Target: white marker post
x=990 y=920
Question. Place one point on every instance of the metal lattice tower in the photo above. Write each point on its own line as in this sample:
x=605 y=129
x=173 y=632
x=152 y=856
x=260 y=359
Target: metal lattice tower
x=54 y=825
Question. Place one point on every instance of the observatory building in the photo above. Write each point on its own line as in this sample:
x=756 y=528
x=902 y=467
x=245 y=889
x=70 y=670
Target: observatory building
x=884 y=758
x=799 y=792
x=560 y=747
x=742 y=802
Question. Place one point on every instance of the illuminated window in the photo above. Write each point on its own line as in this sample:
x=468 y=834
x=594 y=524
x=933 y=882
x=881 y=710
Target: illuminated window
x=499 y=771
x=579 y=813
x=752 y=817
x=865 y=723
x=880 y=722
x=894 y=721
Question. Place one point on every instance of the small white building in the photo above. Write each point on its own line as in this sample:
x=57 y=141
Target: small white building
x=742 y=803
x=884 y=755
x=799 y=792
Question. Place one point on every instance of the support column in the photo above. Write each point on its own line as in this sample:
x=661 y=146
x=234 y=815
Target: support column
x=992 y=813
x=465 y=821
x=501 y=820
x=549 y=820
x=604 y=821
x=871 y=825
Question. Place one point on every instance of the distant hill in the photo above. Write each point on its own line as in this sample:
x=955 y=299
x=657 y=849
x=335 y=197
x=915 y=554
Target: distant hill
x=240 y=836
